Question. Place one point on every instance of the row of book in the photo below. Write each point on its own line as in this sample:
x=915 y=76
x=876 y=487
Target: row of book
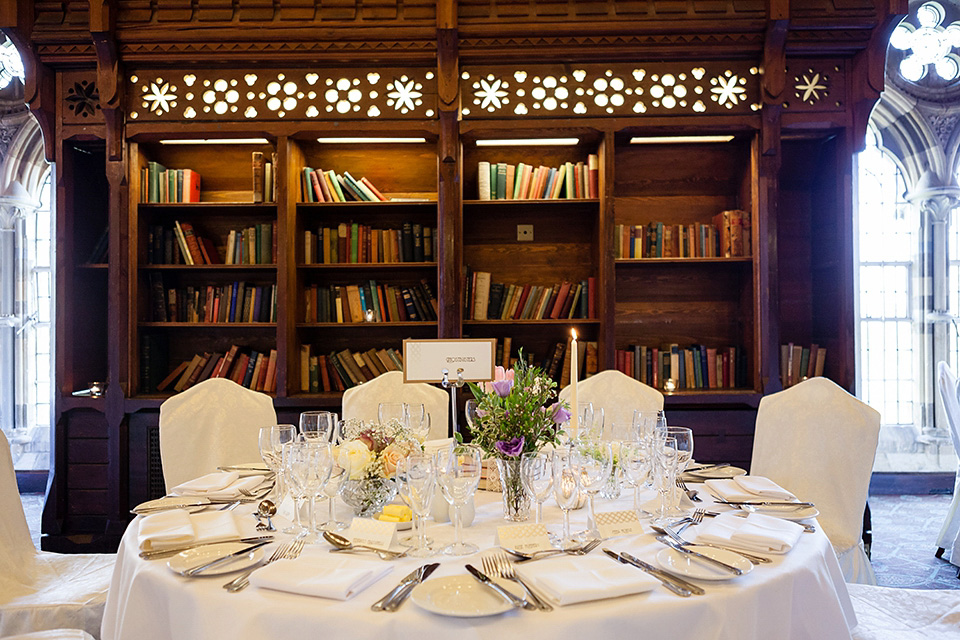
x=487 y=300
x=159 y=184
x=256 y=370
x=727 y=237
x=340 y=370
x=264 y=177
x=673 y=367
x=213 y=303
x=502 y=181
x=797 y=363
x=370 y=302
x=317 y=185
x=351 y=242
x=181 y=243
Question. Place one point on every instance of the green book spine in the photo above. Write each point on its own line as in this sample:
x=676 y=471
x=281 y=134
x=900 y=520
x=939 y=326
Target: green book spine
x=354 y=242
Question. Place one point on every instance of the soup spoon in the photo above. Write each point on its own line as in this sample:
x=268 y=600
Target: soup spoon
x=342 y=544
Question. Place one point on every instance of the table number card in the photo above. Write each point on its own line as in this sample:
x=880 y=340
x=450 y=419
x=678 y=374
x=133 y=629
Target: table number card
x=524 y=537
x=618 y=523
x=372 y=533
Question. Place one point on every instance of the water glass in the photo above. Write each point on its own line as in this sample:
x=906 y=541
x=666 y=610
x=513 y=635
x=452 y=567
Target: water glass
x=416 y=480
x=566 y=489
x=536 y=474
x=684 y=438
x=665 y=458
x=319 y=426
x=458 y=472
x=596 y=465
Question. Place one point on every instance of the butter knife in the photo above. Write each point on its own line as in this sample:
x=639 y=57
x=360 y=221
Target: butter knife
x=394 y=603
x=766 y=503
x=414 y=578
x=666 y=582
x=717 y=563
x=166 y=553
x=680 y=582
x=514 y=600
x=223 y=559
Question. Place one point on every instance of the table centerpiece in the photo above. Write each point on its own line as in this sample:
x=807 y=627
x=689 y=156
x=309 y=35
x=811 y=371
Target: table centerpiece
x=368 y=454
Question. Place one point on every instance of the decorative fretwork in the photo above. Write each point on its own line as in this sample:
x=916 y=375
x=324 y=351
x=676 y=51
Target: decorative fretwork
x=244 y=95
x=605 y=90
x=83 y=99
x=815 y=85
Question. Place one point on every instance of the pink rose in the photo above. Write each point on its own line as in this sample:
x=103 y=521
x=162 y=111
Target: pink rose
x=499 y=374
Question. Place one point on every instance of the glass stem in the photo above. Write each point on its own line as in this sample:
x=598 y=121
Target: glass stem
x=297 y=505
x=457 y=524
x=330 y=515
x=591 y=519
x=566 y=525
x=539 y=512
x=312 y=513
x=636 y=498
x=421 y=532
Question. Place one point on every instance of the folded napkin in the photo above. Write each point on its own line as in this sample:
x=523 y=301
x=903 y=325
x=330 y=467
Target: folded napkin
x=756 y=532
x=319 y=573
x=220 y=485
x=175 y=528
x=568 y=580
x=747 y=489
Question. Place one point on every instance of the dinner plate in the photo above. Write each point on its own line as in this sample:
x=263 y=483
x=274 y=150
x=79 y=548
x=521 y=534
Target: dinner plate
x=717 y=473
x=195 y=557
x=461 y=597
x=690 y=566
x=784 y=511
x=171 y=502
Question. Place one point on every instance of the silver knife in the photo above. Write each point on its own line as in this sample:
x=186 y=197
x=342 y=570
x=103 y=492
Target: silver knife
x=392 y=601
x=717 y=563
x=221 y=560
x=672 y=586
x=766 y=503
x=680 y=582
x=166 y=553
x=514 y=600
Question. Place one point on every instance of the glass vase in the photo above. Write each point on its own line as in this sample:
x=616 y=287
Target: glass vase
x=612 y=488
x=516 y=501
x=367 y=496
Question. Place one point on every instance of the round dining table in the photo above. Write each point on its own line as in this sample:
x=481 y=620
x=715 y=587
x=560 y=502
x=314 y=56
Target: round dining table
x=800 y=595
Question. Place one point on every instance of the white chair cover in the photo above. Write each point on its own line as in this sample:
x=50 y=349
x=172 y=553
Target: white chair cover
x=949 y=538
x=361 y=402
x=213 y=423
x=618 y=395
x=52 y=634
x=38 y=590
x=885 y=613
x=818 y=441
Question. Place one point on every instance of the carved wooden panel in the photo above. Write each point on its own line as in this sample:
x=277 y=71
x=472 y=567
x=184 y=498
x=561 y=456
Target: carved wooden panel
x=661 y=88
x=80 y=97
x=365 y=12
x=478 y=11
x=298 y=94
x=815 y=85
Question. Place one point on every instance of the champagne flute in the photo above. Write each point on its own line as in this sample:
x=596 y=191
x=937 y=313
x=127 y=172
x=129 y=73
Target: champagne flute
x=596 y=464
x=416 y=479
x=458 y=472
x=296 y=474
x=270 y=441
x=319 y=462
x=643 y=424
x=536 y=473
x=665 y=458
x=684 y=438
x=635 y=461
x=330 y=489
x=418 y=421
x=566 y=489
x=319 y=426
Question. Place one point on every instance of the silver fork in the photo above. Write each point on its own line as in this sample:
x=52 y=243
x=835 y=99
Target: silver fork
x=695 y=518
x=691 y=493
x=504 y=568
x=287 y=551
x=492 y=570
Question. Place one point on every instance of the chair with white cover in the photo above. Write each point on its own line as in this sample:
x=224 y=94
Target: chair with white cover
x=213 y=423
x=886 y=613
x=618 y=395
x=949 y=539
x=818 y=442
x=39 y=590
x=52 y=634
x=363 y=401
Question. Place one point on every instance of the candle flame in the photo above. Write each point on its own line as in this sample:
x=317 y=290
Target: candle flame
x=573 y=332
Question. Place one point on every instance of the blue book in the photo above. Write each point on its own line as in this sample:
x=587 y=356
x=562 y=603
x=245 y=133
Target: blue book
x=248 y=375
x=549 y=186
x=257 y=303
x=233 y=302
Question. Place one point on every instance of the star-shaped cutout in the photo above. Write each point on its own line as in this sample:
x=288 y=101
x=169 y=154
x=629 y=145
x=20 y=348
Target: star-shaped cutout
x=810 y=87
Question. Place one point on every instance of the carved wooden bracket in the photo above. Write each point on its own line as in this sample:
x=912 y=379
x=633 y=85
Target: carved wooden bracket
x=109 y=73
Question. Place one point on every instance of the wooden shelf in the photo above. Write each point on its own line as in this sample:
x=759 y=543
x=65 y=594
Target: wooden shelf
x=368 y=325
x=208 y=267
x=102 y=266
x=544 y=321
x=208 y=207
x=377 y=205
x=715 y=397
x=340 y=266
x=209 y=325
x=540 y=201
x=622 y=262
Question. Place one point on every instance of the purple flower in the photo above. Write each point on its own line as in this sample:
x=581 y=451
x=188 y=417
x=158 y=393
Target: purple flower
x=502 y=387
x=510 y=448
x=560 y=413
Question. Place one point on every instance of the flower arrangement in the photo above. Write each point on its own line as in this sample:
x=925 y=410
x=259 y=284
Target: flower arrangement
x=513 y=416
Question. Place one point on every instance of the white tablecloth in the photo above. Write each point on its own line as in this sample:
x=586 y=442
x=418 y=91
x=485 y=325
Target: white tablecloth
x=800 y=596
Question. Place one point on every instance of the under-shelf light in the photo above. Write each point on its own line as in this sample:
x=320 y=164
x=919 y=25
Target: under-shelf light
x=346 y=140
x=678 y=139
x=216 y=141
x=530 y=142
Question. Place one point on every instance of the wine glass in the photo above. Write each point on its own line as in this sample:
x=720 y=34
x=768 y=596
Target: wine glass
x=566 y=489
x=586 y=417
x=294 y=468
x=271 y=440
x=458 y=472
x=684 y=439
x=418 y=421
x=536 y=474
x=416 y=479
x=330 y=490
x=319 y=426
x=470 y=412
x=635 y=462
x=665 y=458
x=387 y=411
x=643 y=424
x=596 y=464
x=318 y=459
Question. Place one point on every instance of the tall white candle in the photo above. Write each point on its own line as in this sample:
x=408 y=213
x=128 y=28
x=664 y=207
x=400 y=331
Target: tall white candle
x=574 y=376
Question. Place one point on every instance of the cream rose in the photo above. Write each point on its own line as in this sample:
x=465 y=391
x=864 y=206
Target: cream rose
x=354 y=456
x=391 y=456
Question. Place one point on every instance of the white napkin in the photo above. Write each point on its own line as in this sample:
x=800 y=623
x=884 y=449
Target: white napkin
x=743 y=489
x=572 y=580
x=756 y=532
x=176 y=528
x=319 y=573
x=220 y=485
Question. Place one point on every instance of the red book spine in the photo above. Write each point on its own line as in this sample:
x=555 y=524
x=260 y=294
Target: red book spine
x=591 y=297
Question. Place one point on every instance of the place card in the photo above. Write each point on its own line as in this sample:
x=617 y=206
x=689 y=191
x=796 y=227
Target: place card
x=372 y=533
x=618 y=523
x=523 y=537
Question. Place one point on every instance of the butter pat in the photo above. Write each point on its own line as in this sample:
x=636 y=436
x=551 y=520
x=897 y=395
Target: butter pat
x=396 y=513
